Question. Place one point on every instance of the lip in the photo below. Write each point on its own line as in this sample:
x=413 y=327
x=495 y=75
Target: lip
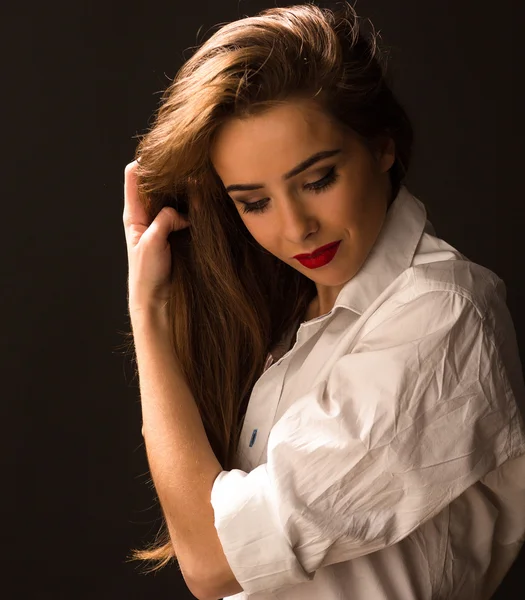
x=318 y=251
x=320 y=258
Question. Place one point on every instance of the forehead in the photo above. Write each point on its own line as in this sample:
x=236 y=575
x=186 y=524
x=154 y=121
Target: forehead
x=267 y=145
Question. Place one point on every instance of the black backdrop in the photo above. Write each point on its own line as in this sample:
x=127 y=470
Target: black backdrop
x=79 y=81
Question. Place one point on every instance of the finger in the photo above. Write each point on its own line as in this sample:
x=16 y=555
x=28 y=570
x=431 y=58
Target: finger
x=170 y=220
x=165 y=222
x=134 y=216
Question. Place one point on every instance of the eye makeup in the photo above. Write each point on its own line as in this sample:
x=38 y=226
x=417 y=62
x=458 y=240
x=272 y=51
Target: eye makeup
x=316 y=187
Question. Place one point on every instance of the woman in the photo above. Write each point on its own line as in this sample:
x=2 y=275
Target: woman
x=329 y=391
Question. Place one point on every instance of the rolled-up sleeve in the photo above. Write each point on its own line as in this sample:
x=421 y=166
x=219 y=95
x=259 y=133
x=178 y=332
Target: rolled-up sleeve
x=417 y=412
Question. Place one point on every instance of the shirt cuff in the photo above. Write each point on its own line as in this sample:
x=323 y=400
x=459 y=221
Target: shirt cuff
x=253 y=540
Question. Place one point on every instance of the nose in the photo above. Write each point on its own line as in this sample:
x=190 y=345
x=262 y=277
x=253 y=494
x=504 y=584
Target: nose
x=295 y=221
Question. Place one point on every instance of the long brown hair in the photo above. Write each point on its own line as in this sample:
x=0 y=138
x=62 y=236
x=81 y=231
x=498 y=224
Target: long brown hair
x=232 y=301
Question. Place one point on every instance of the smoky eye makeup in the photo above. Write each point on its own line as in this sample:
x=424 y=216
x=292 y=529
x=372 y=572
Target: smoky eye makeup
x=316 y=187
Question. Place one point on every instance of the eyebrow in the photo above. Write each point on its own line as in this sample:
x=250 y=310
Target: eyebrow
x=302 y=166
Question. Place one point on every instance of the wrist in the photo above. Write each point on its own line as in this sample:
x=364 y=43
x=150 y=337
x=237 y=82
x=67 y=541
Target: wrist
x=151 y=318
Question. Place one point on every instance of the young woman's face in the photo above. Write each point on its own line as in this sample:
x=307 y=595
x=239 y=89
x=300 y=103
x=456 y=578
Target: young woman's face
x=343 y=196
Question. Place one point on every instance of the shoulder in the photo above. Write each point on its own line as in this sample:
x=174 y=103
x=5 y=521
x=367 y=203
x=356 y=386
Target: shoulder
x=457 y=296
x=443 y=289
x=475 y=284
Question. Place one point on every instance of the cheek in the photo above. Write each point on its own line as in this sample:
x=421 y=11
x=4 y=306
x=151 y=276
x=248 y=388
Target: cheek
x=342 y=206
x=355 y=194
x=261 y=229
x=355 y=211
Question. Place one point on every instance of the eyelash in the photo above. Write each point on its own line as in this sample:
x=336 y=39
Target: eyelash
x=317 y=187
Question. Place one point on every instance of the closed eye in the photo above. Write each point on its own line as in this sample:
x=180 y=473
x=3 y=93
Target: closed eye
x=317 y=186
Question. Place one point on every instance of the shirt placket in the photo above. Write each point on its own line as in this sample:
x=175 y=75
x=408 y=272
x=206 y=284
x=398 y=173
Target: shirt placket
x=266 y=395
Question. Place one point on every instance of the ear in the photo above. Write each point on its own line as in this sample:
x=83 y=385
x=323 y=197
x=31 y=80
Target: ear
x=385 y=153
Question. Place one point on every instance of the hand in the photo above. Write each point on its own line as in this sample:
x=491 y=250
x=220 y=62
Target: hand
x=149 y=252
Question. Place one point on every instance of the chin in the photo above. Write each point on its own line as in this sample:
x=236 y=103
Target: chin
x=337 y=279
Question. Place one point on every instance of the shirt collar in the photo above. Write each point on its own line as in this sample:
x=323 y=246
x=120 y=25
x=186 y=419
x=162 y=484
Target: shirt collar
x=391 y=254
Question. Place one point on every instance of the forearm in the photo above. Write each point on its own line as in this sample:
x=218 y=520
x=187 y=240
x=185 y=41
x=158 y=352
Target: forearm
x=182 y=463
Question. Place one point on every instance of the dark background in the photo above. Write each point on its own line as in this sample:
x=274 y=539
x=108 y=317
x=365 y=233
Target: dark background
x=79 y=81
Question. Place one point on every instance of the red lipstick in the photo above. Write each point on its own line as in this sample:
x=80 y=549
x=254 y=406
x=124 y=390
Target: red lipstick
x=319 y=257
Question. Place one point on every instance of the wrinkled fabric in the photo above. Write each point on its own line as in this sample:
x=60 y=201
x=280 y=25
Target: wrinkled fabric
x=383 y=455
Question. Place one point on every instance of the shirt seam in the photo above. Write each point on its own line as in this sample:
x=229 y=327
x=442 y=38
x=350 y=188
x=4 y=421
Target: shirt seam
x=509 y=393
x=445 y=554
x=418 y=291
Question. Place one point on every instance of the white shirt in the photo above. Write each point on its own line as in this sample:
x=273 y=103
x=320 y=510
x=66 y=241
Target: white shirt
x=383 y=456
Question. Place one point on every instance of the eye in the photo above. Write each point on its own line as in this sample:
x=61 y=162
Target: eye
x=257 y=207
x=322 y=184
x=316 y=187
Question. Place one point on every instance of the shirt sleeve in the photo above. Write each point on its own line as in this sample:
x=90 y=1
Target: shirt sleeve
x=416 y=413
